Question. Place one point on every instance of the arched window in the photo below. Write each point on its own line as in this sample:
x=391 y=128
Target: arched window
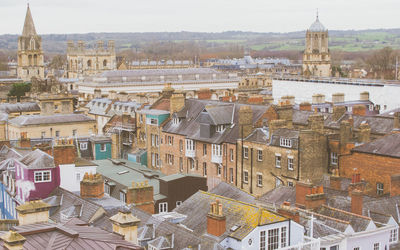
x=30 y=60
x=105 y=63
x=89 y=63
x=35 y=62
x=32 y=44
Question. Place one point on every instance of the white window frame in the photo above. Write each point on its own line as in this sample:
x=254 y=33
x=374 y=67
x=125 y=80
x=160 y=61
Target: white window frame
x=103 y=147
x=204 y=169
x=219 y=170
x=220 y=128
x=393 y=235
x=284 y=236
x=107 y=189
x=57 y=134
x=245 y=152
x=376 y=246
x=231 y=154
x=122 y=196
x=334 y=158
x=83 y=145
x=78 y=176
x=273 y=238
x=163 y=207
x=41 y=174
x=259 y=155
x=259 y=180
x=216 y=150
x=290 y=163
x=246 y=176
x=285 y=142
x=278 y=160
x=74 y=132
x=190 y=145
x=379 y=189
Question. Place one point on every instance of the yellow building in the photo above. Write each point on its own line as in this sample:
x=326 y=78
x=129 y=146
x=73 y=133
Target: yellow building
x=30 y=52
x=58 y=125
x=56 y=104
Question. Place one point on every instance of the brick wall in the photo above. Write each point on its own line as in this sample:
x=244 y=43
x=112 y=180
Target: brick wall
x=64 y=154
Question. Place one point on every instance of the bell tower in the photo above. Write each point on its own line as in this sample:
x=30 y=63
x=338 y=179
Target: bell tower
x=317 y=57
x=30 y=53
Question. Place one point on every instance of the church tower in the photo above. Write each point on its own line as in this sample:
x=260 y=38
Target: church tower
x=30 y=53
x=316 y=57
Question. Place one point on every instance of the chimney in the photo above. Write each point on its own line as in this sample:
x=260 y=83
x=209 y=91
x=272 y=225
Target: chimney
x=338 y=97
x=335 y=181
x=395 y=185
x=25 y=142
x=216 y=221
x=302 y=189
x=359 y=110
x=305 y=106
x=318 y=98
x=142 y=195
x=285 y=112
x=123 y=96
x=177 y=102
x=365 y=133
x=44 y=147
x=289 y=99
x=346 y=133
x=92 y=186
x=288 y=212
x=97 y=93
x=242 y=98
x=276 y=124
x=316 y=198
x=24 y=99
x=112 y=95
x=167 y=90
x=12 y=99
x=338 y=112
x=64 y=151
x=124 y=223
x=13 y=240
x=245 y=121
x=100 y=45
x=364 y=96
x=396 y=121
x=268 y=100
x=357 y=202
x=204 y=94
x=356 y=183
x=33 y=212
x=316 y=122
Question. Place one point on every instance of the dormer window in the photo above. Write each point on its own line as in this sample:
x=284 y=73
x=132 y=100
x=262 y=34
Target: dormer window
x=287 y=143
x=220 y=128
x=176 y=121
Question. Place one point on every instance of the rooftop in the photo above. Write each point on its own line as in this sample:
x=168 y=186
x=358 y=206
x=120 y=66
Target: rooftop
x=26 y=120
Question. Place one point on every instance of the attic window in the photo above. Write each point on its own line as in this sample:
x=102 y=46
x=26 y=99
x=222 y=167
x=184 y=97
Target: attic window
x=287 y=143
x=123 y=172
x=220 y=128
x=176 y=121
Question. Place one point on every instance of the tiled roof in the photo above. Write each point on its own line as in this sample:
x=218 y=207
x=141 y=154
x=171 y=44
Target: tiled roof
x=229 y=191
x=245 y=215
x=19 y=107
x=388 y=145
x=38 y=159
x=26 y=120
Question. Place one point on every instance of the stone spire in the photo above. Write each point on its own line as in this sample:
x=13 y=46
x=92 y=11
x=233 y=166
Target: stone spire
x=29 y=26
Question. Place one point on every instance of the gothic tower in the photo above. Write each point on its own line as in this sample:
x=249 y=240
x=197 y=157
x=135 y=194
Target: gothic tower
x=317 y=57
x=30 y=53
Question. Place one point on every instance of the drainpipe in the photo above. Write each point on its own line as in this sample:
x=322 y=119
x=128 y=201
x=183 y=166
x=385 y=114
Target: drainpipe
x=298 y=160
x=241 y=181
x=236 y=164
x=251 y=170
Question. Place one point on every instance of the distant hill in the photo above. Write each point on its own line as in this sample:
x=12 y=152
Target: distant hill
x=349 y=40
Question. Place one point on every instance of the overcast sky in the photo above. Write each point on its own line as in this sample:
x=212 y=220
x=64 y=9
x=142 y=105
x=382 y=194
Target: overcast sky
x=83 y=16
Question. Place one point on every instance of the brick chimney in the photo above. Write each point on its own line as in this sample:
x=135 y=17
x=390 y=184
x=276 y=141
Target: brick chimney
x=338 y=97
x=289 y=99
x=13 y=240
x=23 y=99
x=33 y=212
x=365 y=133
x=44 y=147
x=359 y=110
x=216 y=221
x=356 y=183
x=335 y=180
x=142 y=195
x=177 y=102
x=316 y=122
x=124 y=223
x=123 y=96
x=305 y=106
x=25 y=142
x=338 y=111
x=364 y=96
x=318 y=98
x=268 y=100
x=395 y=185
x=204 y=94
x=242 y=98
x=396 y=120
x=288 y=212
x=245 y=121
x=285 y=112
x=64 y=151
x=316 y=198
x=276 y=124
x=357 y=202
x=92 y=186
x=302 y=189
x=97 y=93
x=345 y=133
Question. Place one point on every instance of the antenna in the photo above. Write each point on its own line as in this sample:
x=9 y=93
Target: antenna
x=317 y=14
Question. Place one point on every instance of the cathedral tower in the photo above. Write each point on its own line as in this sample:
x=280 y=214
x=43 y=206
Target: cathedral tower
x=30 y=53
x=316 y=57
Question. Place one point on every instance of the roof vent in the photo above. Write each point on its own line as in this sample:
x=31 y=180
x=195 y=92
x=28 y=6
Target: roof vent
x=123 y=172
x=234 y=228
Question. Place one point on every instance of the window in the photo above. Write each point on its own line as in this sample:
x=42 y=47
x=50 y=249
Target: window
x=231 y=175
x=283 y=237
x=216 y=150
x=56 y=107
x=43 y=134
x=220 y=128
x=335 y=247
x=153 y=160
x=141 y=118
x=371 y=107
x=175 y=121
x=379 y=188
x=287 y=143
x=356 y=248
x=273 y=239
x=103 y=147
x=219 y=170
x=74 y=132
x=376 y=246
x=262 y=240
x=153 y=121
x=277 y=182
x=78 y=177
x=190 y=145
x=231 y=154
x=157 y=159
x=290 y=184
x=204 y=169
x=169 y=159
x=278 y=161
x=178 y=203
x=350 y=109
x=334 y=158
x=181 y=164
x=393 y=235
x=246 y=176
x=57 y=133
x=246 y=152
x=191 y=163
x=122 y=196
x=290 y=163
x=259 y=155
x=204 y=149
x=42 y=176
x=154 y=140
x=170 y=140
x=107 y=189
x=259 y=180
x=83 y=145
x=163 y=207
x=181 y=145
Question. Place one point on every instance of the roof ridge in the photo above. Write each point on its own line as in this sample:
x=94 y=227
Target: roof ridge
x=346 y=212
x=230 y=199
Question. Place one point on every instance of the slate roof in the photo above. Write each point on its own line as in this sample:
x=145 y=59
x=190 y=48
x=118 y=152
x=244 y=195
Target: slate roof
x=245 y=215
x=72 y=235
x=26 y=120
x=19 y=107
x=38 y=159
x=279 y=195
x=388 y=145
x=29 y=26
x=157 y=72
x=317 y=26
x=259 y=135
x=229 y=191
x=220 y=113
x=99 y=106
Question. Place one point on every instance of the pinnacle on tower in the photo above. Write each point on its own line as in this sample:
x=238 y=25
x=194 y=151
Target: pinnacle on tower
x=29 y=26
